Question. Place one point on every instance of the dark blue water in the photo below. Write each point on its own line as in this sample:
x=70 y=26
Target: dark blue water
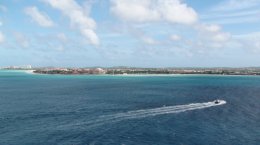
x=66 y=110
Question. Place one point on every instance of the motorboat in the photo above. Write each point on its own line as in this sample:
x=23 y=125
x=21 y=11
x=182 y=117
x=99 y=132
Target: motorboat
x=216 y=101
x=219 y=102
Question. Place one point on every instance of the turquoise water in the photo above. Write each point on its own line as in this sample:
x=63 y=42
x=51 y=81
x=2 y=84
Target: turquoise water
x=81 y=110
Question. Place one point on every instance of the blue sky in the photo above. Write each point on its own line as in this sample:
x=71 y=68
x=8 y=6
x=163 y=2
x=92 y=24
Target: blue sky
x=147 y=33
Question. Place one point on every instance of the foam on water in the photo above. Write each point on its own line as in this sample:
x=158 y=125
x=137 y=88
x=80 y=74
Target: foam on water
x=137 y=114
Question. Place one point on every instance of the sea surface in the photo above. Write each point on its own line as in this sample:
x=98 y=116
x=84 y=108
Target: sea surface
x=128 y=110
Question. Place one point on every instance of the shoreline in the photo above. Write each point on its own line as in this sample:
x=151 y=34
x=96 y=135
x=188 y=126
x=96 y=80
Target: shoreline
x=141 y=75
x=29 y=71
x=128 y=75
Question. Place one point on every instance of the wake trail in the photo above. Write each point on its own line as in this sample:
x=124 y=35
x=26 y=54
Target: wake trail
x=137 y=114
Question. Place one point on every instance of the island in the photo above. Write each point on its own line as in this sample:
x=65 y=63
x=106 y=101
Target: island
x=144 y=71
x=124 y=70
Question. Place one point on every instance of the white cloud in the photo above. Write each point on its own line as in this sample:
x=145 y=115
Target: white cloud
x=212 y=28
x=213 y=33
x=220 y=37
x=231 y=5
x=134 y=10
x=234 y=17
x=149 y=11
x=201 y=39
x=172 y=11
x=233 y=12
x=175 y=37
x=175 y=11
x=79 y=19
x=41 y=18
x=242 y=13
x=2 y=38
x=1 y=23
x=197 y=37
x=249 y=41
x=91 y=35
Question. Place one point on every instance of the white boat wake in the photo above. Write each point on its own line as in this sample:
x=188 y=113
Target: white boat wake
x=147 y=113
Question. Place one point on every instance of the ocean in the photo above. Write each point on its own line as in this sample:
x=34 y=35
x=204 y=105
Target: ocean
x=128 y=110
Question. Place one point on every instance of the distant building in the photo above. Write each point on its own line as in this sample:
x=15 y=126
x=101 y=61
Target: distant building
x=18 y=67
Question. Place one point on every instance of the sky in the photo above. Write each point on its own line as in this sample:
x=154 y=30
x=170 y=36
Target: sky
x=139 y=33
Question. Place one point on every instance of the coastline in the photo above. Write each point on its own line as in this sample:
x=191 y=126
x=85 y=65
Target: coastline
x=120 y=71
x=128 y=75
x=143 y=75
